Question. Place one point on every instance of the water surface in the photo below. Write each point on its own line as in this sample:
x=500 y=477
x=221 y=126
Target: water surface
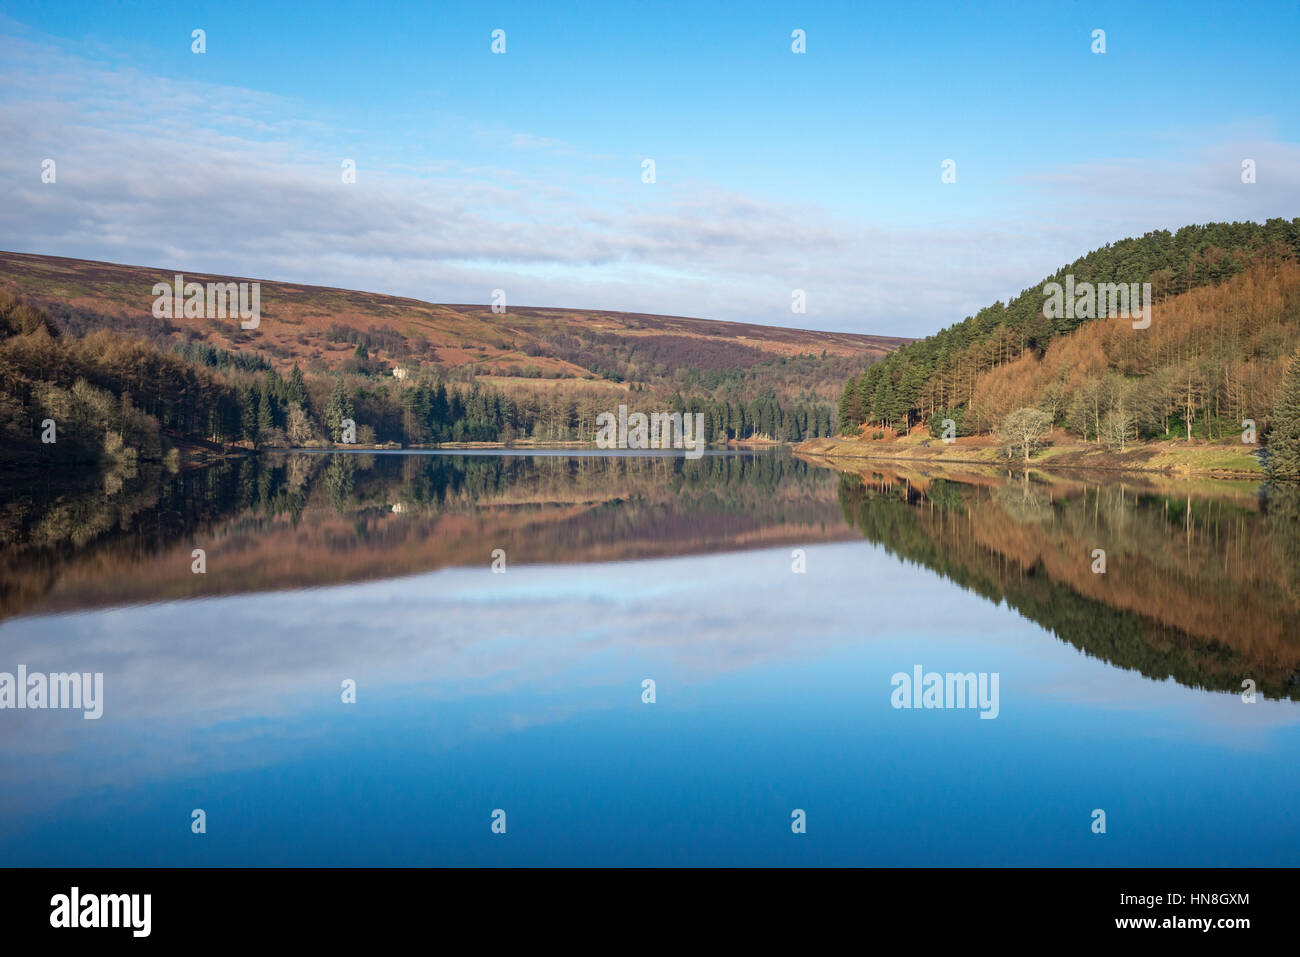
x=523 y=691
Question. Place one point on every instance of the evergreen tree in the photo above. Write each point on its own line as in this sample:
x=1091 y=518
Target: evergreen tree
x=248 y=404
x=265 y=409
x=338 y=409
x=1284 y=428
x=882 y=403
x=297 y=389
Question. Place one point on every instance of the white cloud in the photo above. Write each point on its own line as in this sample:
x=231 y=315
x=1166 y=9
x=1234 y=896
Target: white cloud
x=218 y=179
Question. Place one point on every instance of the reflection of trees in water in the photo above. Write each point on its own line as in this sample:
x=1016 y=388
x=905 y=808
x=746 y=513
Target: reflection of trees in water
x=946 y=495
x=299 y=469
x=599 y=501
x=439 y=482
x=1193 y=589
x=1024 y=500
x=340 y=478
x=45 y=526
x=1282 y=506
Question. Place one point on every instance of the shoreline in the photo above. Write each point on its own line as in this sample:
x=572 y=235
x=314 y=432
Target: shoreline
x=193 y=455
x=517 y=446
x=1201 y=460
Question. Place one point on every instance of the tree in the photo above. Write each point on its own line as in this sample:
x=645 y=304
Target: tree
x=1023 y=430
x=1053 y=401
x=1118 y=426
x=882 y=402
x=850 y=408
x=248 y=401
x=265 y=408
x=1284 y=428
x=297 y=389
x=1129 y=405
x=299 y=425
x=338 y=409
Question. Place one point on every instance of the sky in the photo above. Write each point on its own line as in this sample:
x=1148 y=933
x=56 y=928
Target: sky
x=775 y=171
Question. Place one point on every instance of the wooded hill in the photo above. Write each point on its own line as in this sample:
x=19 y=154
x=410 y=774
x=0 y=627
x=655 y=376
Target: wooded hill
x=405 y=371
x=1225 y=322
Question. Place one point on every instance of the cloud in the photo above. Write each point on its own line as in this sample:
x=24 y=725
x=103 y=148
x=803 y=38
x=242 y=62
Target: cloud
x=217 y=179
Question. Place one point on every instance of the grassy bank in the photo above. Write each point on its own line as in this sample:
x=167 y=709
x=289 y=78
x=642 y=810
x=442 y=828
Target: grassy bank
x=1224 y=459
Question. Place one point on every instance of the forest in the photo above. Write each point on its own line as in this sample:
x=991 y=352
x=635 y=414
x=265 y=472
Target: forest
x=1226 y=325
x=72 y=390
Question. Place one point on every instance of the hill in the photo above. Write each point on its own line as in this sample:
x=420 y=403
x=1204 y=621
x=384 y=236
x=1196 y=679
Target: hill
x=320 y=329
x=91 y=370
x=1224 y=324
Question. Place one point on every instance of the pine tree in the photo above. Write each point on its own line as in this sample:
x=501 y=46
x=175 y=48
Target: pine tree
x=248 y=401
x=1284 y=431
x=265 y=409
x=338 y=409
x=882 y=403
x=297 y=389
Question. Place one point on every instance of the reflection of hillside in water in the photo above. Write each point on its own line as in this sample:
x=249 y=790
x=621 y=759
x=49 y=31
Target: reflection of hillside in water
x=1203 y=588
x=299 y=520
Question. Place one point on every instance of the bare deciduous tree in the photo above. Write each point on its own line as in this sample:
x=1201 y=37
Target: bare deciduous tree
x=1023 y=430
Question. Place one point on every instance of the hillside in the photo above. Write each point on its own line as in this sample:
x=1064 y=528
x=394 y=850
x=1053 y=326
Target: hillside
x=92 y=370
x=320 y=329
x=1224 y=325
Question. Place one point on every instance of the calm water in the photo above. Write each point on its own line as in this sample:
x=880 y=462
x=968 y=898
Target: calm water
x=523 y=691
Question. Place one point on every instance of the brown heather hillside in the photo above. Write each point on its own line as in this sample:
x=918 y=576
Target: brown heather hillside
x=1224 y=301
x=1174 y=396
x=528 y=347
x=1221 y=348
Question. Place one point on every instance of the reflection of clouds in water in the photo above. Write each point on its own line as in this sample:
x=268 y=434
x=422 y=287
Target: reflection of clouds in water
x=220 y=684
x=458 y=628
x=1124 y=696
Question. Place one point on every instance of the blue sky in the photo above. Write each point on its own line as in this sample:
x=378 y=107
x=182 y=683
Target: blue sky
x=522 y=171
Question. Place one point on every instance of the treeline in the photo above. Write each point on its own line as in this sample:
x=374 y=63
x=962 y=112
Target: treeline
x=560 y=416
x=110 y=395
x=764 y=417
x=1210 y=364
x=300 y=411
x=214 y=357
x=297 y=410
x=102 y=399
x=434 y=412
x=1205 y=361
